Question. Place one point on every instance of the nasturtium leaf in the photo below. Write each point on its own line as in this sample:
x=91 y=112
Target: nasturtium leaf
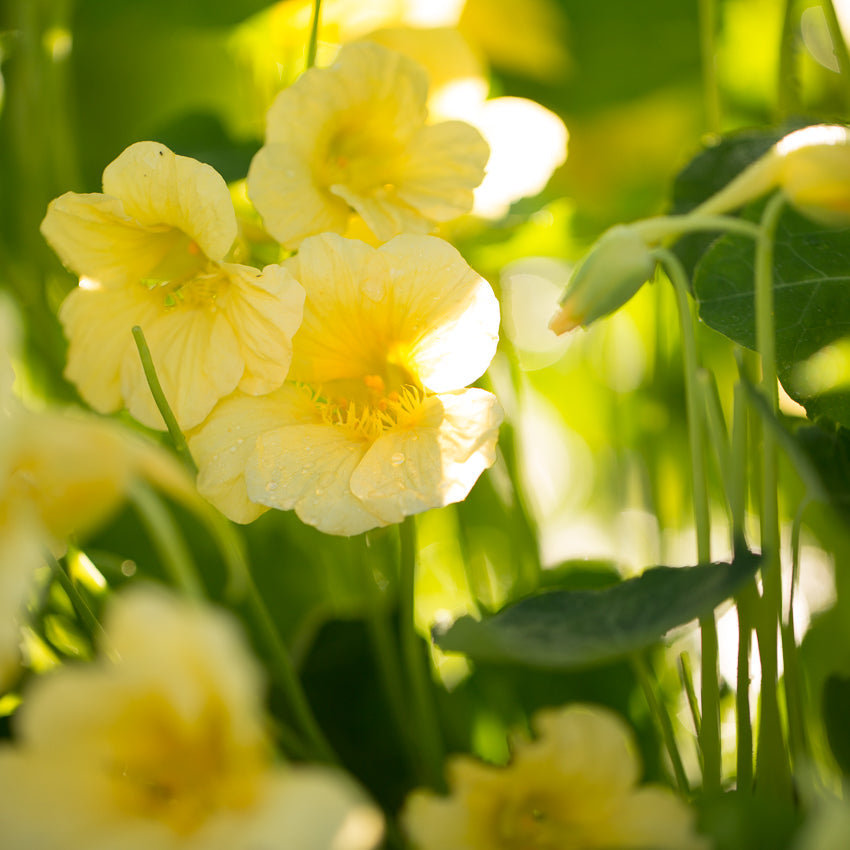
x=570 y=629
x=836 y=707
x=811 y=301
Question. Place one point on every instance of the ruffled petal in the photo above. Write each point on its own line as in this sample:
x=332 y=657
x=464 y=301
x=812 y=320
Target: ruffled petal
x=283 y=188
x=308 y=467
x=197 y=360
x=444 y=315
x=96 y=238
x=264 y=309
x=98 y=324
x=223 y=444
x=434 y=462
x=157 y=186
x=440 y=169
x=383 y=212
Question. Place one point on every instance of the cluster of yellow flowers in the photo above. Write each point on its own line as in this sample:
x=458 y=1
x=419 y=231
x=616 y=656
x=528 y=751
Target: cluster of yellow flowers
x=334 y=383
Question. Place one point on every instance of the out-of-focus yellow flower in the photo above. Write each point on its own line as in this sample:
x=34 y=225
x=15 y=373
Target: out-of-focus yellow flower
x=527 y=141
x=575 y=787
x=149 y=252
x=810 y=166
x=163 y=744
x=374 y=423
x=61 y=474
x=353 y=137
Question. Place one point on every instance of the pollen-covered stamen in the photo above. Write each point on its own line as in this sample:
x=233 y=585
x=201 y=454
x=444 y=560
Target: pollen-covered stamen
x=375 y=411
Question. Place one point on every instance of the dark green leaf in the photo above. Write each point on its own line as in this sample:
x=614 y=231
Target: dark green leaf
x=569 y=629
x=836 y=709
x=811 y=295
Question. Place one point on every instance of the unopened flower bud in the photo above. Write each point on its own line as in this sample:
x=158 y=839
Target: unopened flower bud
x=812 y=168
x=615 y=269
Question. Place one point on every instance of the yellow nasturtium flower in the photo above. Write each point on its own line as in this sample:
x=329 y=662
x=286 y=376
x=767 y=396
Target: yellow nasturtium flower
x=150 y=251
x=374 y=422
x=163 y=743
x=574 y=787
x=354 y=139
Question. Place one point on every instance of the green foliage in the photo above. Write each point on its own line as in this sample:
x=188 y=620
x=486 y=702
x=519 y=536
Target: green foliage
x=567 y=629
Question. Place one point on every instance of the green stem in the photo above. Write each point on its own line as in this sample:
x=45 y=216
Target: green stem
x=313 y=44
x=672 y=226
x=93 y=628
x=285 y=675
x=710 y=729
x=662 y=720
x=169 y=543
x=839 y=46
x=416 y=662
x=686 y=677
x=772 y=769
x=788 y=84
x=708 y=52
x=385 y=648
x=745 y=602
x=162 y=402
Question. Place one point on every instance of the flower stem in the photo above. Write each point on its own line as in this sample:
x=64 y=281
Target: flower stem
x=313 y=44
x=418 y=673
x=710 y=727
x=93 y=628
x=170 y=545
x=788 y=84
x=772 y=769
x=839 y=46
x=666 y=227
x=162 y=402
x=662 y=720
x=708 y=51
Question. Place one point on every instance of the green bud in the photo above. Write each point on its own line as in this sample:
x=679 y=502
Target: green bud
x=615 y=269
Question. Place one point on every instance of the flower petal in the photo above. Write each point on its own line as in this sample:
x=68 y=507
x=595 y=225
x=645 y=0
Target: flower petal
x=440 y=169
x=264 y=310
x=158 y=186
x=225 y=441
x=95 y=237
x=434 y=462
x=446 y=314
x=98 y=325
x=197 y=360
x=308 y=467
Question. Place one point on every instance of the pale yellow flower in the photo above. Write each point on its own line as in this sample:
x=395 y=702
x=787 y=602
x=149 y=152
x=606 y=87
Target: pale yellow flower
x=150 y=251
x=163 y=744
x=374 y=423
x=353 y=138
x=527 y=141
x=573 y=788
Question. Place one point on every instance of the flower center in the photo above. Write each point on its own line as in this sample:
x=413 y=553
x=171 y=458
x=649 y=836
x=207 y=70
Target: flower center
x=533 y=823
x=360 y=158
x=180 y=771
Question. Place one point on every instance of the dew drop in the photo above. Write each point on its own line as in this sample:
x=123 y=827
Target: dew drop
x=272 y=485
x=239 y=441
x=397 y=459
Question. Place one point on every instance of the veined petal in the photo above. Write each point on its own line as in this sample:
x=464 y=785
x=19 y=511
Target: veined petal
x=98 y=325
x=446 y=314
x=383 y=212
x=433 y=462
x=158 y=187
x=441 y=167
x=264 y=309
x=224 y=442
x=197 y=360
x=308 y=467
x=96 y=238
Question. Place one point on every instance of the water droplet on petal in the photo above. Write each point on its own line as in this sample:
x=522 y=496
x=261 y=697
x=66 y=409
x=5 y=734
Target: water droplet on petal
x=272 y=485
x=397 y=459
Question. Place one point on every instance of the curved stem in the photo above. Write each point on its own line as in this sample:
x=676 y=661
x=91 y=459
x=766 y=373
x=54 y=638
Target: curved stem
x=672 y=226
x=162 y=402
x=788 y=84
